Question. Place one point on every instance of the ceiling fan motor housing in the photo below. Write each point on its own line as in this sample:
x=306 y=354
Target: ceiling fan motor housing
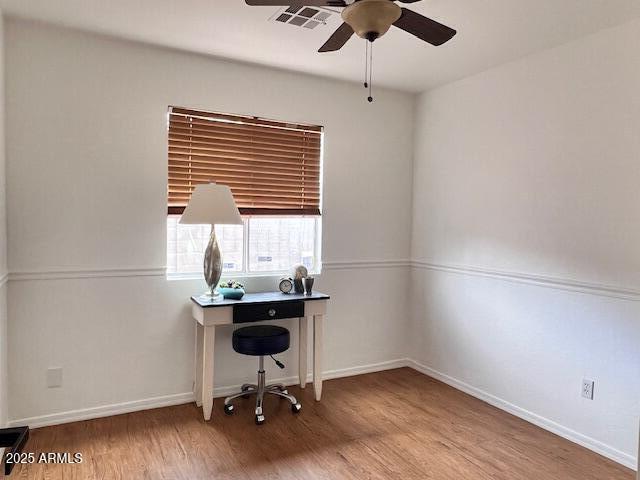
x=371 y=19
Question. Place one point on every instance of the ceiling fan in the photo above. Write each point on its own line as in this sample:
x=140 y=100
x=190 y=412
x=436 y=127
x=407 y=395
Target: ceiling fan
x=370 y=19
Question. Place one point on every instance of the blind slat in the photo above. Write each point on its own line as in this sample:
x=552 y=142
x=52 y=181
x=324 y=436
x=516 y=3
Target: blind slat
x=188 y=135
x=290 y=162
x=180 y=129
x=249 y=170
x=208 y=165
x=258 y=202
x=271 y=167
x=284 y=186
x=179 y=111
x=208 y=127
x=177 y=210
x=180 y=183
x=196 y=142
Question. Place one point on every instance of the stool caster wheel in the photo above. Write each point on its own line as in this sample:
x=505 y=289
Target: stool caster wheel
x=228 y=409
x=259 y=419
x=296 y=407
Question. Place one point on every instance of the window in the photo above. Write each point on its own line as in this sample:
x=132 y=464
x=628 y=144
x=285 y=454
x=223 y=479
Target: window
x=274 y=172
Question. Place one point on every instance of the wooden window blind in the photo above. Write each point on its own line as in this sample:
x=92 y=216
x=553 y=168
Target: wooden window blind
x=272 y=168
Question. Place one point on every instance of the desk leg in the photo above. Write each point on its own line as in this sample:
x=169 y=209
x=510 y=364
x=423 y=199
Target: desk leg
x=318 y=324
x=198 y=380
x=302 y=352
x=207 y=371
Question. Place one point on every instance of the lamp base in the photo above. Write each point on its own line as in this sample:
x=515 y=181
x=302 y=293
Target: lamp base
x=217 y=297
x=213 y=266
x=214 y=295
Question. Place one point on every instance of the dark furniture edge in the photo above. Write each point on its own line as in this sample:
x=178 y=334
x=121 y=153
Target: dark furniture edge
x=14 y=438
x=285 y=298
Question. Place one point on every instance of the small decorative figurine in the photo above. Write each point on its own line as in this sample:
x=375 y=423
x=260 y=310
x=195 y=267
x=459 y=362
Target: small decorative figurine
x=298 y=272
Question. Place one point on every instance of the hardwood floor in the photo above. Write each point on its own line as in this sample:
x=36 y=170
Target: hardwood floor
x=397 y=424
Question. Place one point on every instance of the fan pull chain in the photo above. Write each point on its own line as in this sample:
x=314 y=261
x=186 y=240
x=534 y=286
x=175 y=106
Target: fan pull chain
x=370 y=97
x=366 y=64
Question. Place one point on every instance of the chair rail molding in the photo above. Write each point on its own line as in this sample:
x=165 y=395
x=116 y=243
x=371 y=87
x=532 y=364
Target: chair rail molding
x=65 y=273
x=556 y=283
x=364 y=264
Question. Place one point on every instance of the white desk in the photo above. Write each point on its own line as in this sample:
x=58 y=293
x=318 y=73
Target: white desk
x=256 y=307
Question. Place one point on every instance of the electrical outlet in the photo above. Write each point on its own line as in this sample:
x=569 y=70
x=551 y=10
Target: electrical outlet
x=587 y=388
x=54 y=377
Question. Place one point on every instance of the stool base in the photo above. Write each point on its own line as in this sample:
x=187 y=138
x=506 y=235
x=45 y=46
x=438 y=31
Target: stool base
x=260 y=390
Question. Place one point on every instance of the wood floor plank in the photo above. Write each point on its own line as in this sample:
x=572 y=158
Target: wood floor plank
x=386 y=425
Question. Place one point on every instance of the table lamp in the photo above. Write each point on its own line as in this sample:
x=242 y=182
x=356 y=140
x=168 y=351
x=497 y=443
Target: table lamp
x=212 y=204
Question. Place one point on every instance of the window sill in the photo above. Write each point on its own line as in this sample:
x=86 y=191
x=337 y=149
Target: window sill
x=239 y=275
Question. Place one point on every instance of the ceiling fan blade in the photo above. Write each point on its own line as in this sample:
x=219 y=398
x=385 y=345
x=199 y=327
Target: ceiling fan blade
x=338 y=39
x=297 y=3
x=424 y=28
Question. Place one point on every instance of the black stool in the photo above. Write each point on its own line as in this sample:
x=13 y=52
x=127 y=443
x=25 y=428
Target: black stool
x=261 y=340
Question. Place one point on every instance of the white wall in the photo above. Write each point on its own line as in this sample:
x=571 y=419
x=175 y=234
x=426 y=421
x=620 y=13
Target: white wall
x=87 y=162
x=525 y=234
x=4 y=400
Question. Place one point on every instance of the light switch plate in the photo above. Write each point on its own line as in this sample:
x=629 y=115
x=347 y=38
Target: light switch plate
x=54 y=377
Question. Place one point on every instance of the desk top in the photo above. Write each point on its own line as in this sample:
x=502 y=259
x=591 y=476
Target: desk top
x=263 y=297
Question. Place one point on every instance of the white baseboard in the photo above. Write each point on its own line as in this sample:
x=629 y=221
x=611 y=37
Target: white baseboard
x=326 y=375
x=180 y=398
x=103 y=411
x=564 y=432
x=373 y=367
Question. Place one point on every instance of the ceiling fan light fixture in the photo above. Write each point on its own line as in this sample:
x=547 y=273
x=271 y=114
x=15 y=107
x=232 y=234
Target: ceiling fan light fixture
x=370 y=19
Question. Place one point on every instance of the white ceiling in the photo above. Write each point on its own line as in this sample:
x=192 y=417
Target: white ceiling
x=490 y=32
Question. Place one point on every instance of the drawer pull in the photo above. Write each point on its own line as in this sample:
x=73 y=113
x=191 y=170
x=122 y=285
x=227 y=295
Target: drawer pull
x=272 y=312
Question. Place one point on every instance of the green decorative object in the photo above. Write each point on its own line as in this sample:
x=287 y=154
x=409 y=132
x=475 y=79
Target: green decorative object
x=231 y=290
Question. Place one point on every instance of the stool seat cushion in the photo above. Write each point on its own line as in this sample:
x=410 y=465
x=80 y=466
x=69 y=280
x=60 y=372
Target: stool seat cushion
x=261 y=340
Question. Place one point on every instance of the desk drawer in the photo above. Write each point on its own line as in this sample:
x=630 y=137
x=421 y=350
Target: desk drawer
x=267 y=311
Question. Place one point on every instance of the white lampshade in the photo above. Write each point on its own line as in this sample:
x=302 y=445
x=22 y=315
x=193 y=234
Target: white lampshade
x=211 y=204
